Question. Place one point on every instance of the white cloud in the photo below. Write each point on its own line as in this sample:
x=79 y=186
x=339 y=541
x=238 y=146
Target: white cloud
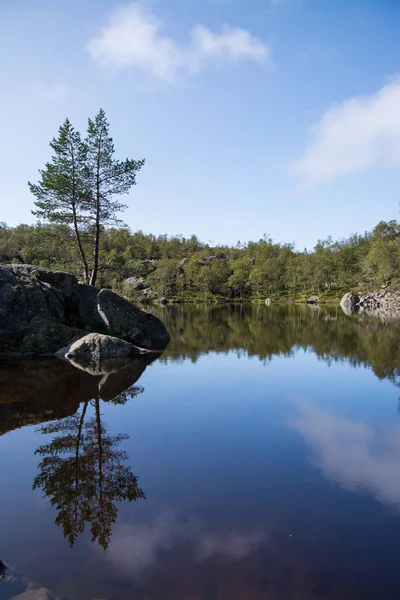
x=356 y=135
x=49 y=92
x=352 y=454
x=133 y=38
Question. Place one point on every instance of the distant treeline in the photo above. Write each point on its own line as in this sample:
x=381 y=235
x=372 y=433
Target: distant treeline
x=185 y=268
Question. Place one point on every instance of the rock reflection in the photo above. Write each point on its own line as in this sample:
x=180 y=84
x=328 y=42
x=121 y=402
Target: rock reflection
x=351 y=453
x=32 y=392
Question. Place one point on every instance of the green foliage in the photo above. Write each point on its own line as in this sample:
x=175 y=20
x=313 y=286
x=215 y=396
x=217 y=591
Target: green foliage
x=185 y=269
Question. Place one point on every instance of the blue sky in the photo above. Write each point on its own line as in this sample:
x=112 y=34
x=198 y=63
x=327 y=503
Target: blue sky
x=254 y=116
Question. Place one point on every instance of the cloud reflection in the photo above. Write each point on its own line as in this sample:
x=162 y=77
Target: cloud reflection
x=137 y=547
x=352 y=454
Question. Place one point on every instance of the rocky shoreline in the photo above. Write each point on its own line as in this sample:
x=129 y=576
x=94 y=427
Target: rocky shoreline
x=43 y=311
x=384 y=303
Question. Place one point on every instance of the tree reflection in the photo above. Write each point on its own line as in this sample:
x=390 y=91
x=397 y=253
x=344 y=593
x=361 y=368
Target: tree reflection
x=83 y=473
x=268 y=331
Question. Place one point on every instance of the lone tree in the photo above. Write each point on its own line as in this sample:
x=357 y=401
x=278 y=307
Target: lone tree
x=81 y=185
x=62 y=190
x=107 y=178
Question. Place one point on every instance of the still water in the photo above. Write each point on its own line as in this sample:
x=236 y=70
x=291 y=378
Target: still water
x=257 y=458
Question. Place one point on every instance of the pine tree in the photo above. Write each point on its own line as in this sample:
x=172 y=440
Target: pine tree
x=107 y=179
x=61 y=191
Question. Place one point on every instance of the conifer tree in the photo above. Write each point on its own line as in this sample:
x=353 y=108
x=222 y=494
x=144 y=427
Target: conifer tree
x=61 y=193
x=108 y=178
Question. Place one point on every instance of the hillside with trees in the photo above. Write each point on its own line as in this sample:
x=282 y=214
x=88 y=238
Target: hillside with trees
x=186 y=269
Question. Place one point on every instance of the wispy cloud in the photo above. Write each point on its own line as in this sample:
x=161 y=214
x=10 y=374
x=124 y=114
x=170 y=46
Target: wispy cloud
x=133 y=39
x=51 y=92
x=351 y=453
x=358 y=134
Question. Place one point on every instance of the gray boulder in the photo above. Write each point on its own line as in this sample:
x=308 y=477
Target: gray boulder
x=95 y=348
x=313 y=300
x=127 y=321
x=349 y=303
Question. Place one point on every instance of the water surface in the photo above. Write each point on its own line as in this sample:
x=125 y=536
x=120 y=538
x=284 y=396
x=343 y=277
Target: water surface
x=257 y=458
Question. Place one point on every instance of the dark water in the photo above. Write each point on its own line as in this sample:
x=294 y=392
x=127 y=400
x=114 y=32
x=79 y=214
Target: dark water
x=257 y=458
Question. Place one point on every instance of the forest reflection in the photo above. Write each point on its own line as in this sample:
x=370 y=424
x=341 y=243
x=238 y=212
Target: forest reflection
x=268 y=331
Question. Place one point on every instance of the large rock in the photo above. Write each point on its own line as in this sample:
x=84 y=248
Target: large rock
x=65 y=282
x=35 y=316
x=127 y=321
x=88 y=316
x=94 y=348
x=42 y=311
x=349 y=303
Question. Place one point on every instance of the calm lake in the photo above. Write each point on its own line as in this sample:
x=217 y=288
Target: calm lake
x=257 y=458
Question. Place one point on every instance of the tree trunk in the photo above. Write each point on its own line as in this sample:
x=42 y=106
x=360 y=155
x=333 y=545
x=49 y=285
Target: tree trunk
x=75 y=220
x=95 y=268
x=78 y=441
x=80 y=248
x=99 y=443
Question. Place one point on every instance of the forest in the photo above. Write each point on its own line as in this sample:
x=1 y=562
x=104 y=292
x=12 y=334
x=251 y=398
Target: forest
x=185 y=269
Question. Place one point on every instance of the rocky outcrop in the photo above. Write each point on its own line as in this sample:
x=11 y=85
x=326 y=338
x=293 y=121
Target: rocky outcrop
x=35 y=316
x=385 y=297
x=383 y=303
x=42 y=311
x=125 y=320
